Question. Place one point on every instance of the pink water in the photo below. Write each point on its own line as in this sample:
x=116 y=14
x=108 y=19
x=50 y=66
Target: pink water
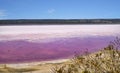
x=25 y=51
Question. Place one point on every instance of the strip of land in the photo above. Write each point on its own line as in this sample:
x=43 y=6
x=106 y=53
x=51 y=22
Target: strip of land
x=58 y=21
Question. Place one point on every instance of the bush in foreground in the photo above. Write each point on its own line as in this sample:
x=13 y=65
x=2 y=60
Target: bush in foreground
x=104 y=61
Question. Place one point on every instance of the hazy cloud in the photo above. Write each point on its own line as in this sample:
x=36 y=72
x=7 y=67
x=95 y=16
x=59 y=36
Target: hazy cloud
x=50 y=11
x=2 y=13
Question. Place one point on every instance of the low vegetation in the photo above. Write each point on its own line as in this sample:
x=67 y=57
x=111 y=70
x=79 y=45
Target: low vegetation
x=106 y=60
x=59 y=21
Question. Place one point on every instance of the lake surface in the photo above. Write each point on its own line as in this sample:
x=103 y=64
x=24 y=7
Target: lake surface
x=49 y=42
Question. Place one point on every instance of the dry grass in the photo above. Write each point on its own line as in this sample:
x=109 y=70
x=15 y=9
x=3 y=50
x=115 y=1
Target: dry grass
x=104 y=61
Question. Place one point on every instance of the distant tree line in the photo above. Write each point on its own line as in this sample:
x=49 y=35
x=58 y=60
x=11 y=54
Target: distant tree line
x=59 y=21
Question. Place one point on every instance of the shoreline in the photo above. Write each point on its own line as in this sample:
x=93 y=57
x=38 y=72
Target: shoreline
x=34 y=67
x=35 y=63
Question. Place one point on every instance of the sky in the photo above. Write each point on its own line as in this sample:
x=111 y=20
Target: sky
x=59 y=9
x=36 y=33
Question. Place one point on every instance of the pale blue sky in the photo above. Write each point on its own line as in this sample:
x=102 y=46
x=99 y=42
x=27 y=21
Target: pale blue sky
x=59 y=9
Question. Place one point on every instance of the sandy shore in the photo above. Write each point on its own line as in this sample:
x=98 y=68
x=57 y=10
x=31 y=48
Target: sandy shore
x=34 y=67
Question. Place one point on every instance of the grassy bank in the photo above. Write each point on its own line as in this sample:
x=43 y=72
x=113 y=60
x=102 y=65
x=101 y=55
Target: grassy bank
x=106 y=60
